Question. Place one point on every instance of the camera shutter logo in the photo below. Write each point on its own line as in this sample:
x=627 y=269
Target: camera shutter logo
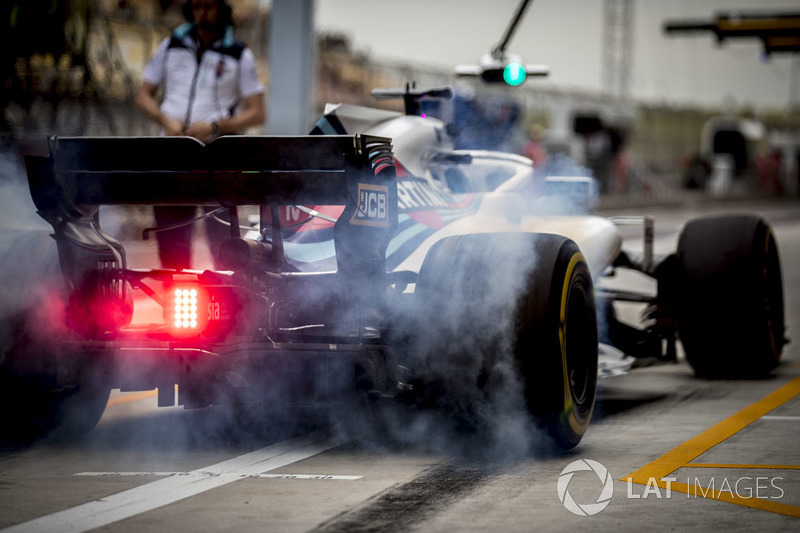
x=587 y=509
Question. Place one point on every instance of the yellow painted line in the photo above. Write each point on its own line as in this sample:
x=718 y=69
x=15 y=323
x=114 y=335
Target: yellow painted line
x=681 y=456
x=132 y=397
x=693 y=448
x=742 y=466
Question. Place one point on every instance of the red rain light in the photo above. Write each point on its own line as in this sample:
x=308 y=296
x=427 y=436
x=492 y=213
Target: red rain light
x=184 y=309
x=192 y=309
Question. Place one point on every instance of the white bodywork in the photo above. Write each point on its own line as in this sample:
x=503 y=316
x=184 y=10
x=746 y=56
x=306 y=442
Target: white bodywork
x=417 y=140
x=520 y=202
x=597 y=238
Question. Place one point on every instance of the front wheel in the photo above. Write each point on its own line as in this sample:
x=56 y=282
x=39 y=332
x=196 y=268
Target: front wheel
x=730 y=310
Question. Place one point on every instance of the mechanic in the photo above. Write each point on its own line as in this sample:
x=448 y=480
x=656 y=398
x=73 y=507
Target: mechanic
x=210 y=88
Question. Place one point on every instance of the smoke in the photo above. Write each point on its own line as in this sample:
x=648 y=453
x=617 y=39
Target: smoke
x=560 y=164
x=27 y=252
x=31 y=305
x=460 y=327
x=19 y=212
x=455 y=335
x=466 y=338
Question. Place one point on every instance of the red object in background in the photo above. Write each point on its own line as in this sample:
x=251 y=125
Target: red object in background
x=535 y=151
x=768 y=170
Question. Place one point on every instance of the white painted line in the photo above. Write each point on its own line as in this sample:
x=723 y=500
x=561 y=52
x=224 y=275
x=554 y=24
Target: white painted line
x=133 y=474
x=163 y=492
x=207 y=474
x=308 y=476
x=788 y=418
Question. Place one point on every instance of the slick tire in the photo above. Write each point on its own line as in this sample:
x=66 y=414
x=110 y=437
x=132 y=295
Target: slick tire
x=527 y=296
x=31 y=324
x=730 y=307
x=44 y=411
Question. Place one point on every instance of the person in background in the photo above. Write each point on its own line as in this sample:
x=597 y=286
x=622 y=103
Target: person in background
x=534 y=147
x=210 y=88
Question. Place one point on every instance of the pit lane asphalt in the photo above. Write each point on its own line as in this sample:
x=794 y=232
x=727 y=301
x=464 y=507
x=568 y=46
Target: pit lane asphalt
x=655 y=422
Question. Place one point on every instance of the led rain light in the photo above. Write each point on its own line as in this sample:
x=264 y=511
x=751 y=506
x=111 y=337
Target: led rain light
x=185 y=308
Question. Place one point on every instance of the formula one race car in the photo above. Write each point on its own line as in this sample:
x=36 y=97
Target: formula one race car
x=384 y=264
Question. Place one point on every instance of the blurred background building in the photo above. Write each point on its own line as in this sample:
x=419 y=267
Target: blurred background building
x=72 y=67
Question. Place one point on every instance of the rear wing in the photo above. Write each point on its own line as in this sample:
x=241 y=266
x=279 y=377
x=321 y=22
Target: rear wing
x=357 y=171
x=229 y=171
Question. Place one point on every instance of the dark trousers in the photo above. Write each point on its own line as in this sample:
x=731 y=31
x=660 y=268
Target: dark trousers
x=175 y=245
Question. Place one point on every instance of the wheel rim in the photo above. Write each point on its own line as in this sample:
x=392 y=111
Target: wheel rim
x=580 y=344
x=773 y=297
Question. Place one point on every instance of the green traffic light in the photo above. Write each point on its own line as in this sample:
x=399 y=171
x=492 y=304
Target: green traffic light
x=514 y=74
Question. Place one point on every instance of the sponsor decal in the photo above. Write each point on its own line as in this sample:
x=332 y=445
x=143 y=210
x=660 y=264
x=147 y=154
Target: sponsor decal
x=373 y=206
x=417 y=195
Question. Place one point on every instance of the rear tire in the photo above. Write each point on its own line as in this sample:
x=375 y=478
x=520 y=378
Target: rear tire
x=558 y=346
x=43 y=411
x=525 y=297
x=31 y=328
x=730 y=309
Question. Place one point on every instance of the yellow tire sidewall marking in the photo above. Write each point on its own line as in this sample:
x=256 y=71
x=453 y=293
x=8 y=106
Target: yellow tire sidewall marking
x=569 y=406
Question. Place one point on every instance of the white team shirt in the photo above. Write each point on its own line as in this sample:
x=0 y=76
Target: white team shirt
x=205 y=91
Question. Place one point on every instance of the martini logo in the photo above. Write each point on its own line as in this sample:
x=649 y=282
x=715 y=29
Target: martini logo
x=373 y=206
x=606 y=492
x=417 y=195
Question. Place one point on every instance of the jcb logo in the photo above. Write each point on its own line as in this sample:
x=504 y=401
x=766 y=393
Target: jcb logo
x=373 y=206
